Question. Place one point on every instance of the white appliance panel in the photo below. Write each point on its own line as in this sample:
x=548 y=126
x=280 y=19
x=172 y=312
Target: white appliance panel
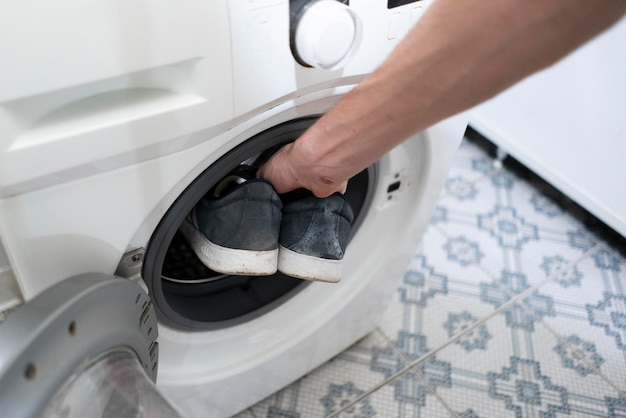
x=567 y=124
x=139 y=100
x=106 y=84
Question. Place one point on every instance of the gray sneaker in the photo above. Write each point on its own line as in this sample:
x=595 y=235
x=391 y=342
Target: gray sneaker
x=314 y=234
x=236 y=232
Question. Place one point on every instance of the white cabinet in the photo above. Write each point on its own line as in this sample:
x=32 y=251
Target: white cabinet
x=568 y=124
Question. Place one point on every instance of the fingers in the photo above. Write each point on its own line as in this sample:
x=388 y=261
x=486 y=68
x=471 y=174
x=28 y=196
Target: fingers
x=286 y=177
x=327 y=187
x=278 y=171
x=343 y=187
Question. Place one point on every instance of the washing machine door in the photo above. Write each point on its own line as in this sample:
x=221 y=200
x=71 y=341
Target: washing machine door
x=84 y=348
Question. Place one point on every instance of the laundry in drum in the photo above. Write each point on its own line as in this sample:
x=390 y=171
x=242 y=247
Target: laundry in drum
x=243 y=227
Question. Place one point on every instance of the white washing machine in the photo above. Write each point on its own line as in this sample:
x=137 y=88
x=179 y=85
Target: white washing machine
x=115 y=119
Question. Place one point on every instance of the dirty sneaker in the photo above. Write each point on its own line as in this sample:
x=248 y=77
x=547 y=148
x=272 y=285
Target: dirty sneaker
x=314 y=234
x=234 y=229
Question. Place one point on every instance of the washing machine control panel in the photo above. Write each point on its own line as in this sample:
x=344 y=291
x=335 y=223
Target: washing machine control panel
x=324 y=33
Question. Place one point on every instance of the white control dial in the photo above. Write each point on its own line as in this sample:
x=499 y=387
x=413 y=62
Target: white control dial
x=327 y=34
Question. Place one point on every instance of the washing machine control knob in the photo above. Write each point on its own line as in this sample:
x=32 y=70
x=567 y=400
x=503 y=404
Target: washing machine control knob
x=326 y=34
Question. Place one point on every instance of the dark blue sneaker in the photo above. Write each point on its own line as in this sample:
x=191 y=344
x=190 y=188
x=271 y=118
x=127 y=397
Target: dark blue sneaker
x=234 y=229
x=314 y=234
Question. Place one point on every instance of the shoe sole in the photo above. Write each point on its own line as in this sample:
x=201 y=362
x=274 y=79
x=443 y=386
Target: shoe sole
x=230 y=260
x=306 y=267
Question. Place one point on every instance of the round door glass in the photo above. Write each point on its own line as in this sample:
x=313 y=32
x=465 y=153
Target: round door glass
x=113 y=386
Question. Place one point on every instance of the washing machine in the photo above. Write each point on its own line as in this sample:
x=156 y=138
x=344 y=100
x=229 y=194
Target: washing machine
x=115 y=119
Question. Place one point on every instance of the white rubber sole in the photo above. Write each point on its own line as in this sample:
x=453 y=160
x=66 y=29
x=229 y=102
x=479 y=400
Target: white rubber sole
x=307 y=267
x=229 y=260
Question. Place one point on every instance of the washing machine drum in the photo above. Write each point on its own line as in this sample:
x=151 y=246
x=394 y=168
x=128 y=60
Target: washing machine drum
x=84 y=347
x=188 y=295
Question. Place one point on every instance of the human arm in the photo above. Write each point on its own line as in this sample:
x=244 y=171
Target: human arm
x=459 y=54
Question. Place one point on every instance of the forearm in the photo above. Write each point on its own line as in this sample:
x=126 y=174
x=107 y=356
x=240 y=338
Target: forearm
x=458 y=55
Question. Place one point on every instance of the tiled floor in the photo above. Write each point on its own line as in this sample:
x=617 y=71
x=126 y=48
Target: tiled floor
x=511 y=307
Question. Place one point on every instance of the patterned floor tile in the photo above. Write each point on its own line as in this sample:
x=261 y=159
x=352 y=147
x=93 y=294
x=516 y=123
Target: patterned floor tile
x=513 y=306
x=464 y=270
x=337 y=383
x=432 y=305
x=589 y=312
x=458 y=250
x=404 y=397
x=519 y=372
x=468 y=182
x=506 y=234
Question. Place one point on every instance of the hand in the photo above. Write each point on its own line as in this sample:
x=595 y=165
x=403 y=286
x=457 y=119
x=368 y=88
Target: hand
x=287 y=171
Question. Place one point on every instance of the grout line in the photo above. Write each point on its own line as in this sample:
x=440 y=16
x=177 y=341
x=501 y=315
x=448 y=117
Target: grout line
x=607 y=247
x=505 y=306
x=369 y=392
x=393 y=346
x=425 y=383
x=433 y=392
x=562 y=339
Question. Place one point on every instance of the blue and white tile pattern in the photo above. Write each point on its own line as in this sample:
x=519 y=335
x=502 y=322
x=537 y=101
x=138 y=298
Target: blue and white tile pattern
x=511 y=307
